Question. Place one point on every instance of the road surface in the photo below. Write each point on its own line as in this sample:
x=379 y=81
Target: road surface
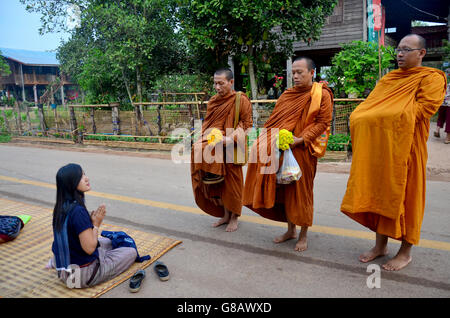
x=213 y=263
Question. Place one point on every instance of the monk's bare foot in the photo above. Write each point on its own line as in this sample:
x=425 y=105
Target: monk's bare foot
x=401 y=260
x=301 y=245
x=397 y=263
x=232 y=225
x=222 y=221
x=289 y=235
x=372 y=254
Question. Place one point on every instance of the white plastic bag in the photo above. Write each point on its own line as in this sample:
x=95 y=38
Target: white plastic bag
x=290 y=170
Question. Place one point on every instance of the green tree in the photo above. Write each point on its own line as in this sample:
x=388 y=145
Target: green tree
x=54 y=14
x=122 y=44
x=4 y=66
x=253 y=29
x=355 y=68
x=446 y=49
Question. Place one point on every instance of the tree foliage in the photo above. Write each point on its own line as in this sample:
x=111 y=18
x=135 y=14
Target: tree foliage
x=4 y=66
x=127 y=44
x=121 y=47
x=355 y=68
x=253 y=31
x=54 y=13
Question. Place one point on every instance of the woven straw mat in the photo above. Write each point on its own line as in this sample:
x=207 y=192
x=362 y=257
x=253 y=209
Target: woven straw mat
x=23 y=260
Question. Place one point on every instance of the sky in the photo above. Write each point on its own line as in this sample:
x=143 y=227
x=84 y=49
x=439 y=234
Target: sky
x=19 y=29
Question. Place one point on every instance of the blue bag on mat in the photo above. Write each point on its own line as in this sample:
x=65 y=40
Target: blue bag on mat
x=10 y=227
x=122 y=239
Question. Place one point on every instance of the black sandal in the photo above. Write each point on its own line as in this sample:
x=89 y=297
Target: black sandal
x=162 y=271
x=136 y=280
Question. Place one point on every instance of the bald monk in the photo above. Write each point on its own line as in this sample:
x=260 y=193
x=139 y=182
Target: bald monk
x=389 y=130
x=291 y=203
x=216 y=181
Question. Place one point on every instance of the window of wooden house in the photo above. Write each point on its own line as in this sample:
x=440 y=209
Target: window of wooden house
x=338 y=13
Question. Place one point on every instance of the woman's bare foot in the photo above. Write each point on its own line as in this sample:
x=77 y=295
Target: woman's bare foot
x=49 y=264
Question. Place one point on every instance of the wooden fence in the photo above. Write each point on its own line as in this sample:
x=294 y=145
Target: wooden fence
x=151 y=119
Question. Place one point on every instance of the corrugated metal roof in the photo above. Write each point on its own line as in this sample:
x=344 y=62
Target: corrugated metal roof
x=31 y=57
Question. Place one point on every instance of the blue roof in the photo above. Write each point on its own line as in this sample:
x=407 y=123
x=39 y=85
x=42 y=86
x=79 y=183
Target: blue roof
x=30 y=57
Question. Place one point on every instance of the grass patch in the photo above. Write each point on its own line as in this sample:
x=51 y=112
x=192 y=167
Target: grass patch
x=5 y=138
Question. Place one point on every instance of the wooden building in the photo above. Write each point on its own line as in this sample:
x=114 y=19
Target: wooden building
x=351 y=20
x=346 y=24
x=34 y=76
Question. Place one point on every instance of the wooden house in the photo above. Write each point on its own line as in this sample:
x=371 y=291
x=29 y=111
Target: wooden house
x=35 y=77
x=352 y=20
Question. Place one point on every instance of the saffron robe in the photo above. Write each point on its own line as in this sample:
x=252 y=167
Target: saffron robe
x=389 y=130
x=213 y=198
x=292 y=202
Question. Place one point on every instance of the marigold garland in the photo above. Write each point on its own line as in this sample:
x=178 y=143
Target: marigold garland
x=285 y=138
x=214 y=137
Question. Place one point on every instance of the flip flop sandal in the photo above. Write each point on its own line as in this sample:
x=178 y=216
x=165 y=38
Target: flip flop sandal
x=136 y=280
x=437 y=135
x=162 y=271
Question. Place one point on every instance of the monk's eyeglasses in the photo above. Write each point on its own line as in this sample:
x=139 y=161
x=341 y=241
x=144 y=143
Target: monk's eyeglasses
x=404 y=50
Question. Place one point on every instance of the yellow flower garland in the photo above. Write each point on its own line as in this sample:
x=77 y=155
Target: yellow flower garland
x=285 y=138
x=214 y=137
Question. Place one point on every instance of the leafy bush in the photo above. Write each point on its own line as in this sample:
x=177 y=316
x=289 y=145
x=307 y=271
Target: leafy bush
x=8 y=101
x=355 y=69
x=5 y=138
x=338 y=142
x=184 y=83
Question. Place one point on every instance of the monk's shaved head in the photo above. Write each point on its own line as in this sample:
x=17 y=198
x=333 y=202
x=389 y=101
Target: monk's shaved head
x=309 y=62
x=223 y=81
x=225 y=71
x=410 y=51
x=421 y=42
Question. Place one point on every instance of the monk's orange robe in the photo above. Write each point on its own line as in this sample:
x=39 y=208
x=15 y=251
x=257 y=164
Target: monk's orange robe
x=220 y=114
x=292 y=202
x=389 y=131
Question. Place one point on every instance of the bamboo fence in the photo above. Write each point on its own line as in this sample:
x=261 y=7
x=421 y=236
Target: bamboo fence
x=80 y=123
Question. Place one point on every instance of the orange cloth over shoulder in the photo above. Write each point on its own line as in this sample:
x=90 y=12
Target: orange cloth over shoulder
x=220 y=114
x=293 y=202
x=389 y=130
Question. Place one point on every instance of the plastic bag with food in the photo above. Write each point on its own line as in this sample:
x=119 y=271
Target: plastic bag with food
x=290 y=170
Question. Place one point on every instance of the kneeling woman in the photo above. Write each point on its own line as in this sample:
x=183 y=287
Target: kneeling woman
x=81 y=257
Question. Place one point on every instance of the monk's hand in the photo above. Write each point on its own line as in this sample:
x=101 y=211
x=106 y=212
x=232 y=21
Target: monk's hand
x=297 y=141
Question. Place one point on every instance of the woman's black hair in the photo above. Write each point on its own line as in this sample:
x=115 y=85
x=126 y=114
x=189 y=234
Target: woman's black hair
x=67 y=180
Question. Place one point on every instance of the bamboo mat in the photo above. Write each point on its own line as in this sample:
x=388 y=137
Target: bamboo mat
x=23 y=260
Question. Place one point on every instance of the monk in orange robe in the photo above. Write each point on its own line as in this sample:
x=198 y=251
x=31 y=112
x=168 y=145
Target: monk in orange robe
x=217 y=182
x=291 y=203
x=389 y=131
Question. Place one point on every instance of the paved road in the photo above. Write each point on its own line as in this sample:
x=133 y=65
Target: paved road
x=213 y=263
